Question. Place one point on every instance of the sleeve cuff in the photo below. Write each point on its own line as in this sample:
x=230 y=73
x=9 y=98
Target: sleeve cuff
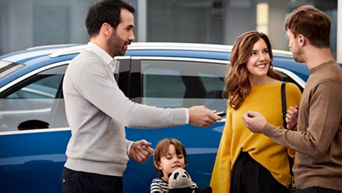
x=187 y=116
x=129 y=145
x=268 y=129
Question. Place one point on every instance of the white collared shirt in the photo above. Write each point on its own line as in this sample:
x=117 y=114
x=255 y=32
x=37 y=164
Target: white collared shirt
x=103 y=54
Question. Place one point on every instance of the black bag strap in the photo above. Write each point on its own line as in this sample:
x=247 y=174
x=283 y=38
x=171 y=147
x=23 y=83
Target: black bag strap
x=284 y=109
x=283 y=103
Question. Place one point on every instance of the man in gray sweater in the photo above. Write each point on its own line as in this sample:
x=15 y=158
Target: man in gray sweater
x=98 y=111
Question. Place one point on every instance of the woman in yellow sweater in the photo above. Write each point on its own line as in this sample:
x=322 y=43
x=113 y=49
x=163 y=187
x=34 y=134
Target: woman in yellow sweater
x=247 y=162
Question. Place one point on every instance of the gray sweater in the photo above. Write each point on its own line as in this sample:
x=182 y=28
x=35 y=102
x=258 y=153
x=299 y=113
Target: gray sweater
x=97 y=112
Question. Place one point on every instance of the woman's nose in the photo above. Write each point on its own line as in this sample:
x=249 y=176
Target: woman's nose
x=262 y=56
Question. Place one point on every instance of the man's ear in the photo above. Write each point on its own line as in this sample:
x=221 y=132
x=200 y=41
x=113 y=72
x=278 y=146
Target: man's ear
x=301 y=40
x=106 y=29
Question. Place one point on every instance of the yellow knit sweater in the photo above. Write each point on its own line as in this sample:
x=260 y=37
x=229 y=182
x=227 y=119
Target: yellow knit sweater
x=236 y=137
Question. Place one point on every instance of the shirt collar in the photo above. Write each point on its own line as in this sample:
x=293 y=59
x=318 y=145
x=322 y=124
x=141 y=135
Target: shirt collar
x=103 y=54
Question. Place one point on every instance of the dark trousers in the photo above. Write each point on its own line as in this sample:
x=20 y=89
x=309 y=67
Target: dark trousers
x=317 y=190
x=83 y=182
x=248 y=176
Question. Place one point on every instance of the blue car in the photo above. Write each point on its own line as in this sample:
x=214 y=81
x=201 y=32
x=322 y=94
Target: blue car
x=34 y=132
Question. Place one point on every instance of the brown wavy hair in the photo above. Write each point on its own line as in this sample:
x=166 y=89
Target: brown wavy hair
x=237 y=85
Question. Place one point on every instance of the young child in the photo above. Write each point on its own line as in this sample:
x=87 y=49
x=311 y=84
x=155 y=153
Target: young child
x=169 y=155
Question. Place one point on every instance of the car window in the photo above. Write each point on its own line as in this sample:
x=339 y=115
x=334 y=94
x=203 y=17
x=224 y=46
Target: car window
x=173 y=83
x=32 y=102
x=36 y=102
x=163 y=83
x=45 y=87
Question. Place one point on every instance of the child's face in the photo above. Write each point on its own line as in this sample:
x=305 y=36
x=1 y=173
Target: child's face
x=170 y=162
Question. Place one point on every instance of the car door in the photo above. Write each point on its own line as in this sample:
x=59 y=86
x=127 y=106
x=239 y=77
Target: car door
x=171 y=83
x=34 y=132
x=32 y=138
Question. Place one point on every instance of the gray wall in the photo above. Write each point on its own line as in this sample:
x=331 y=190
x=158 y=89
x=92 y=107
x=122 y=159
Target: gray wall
x=27 y=23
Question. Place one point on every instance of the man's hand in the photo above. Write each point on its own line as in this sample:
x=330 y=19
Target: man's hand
x=292 y=117
x=254 y=121
x=202 y=117
x=140 y=151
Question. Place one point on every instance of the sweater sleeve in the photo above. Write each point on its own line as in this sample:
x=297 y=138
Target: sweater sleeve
x=323 y=123
x=128 y=146
x=97 y=84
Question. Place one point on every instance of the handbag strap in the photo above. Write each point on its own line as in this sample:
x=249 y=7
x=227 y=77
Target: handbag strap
x=283 y=103
x=284 y=108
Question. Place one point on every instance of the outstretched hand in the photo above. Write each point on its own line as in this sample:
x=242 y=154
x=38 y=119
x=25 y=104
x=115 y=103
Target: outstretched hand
x=254 y=121
x=202 y=117
x=140 y=151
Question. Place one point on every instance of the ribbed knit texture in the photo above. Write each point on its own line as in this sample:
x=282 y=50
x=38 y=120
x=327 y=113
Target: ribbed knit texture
x=236 y=137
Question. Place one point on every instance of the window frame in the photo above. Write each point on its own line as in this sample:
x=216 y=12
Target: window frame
x=13 y=85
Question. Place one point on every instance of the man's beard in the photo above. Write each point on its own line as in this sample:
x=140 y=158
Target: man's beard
x=298 y=55
x=116 y=45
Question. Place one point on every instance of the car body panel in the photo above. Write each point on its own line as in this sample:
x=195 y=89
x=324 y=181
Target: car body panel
x=31 y=161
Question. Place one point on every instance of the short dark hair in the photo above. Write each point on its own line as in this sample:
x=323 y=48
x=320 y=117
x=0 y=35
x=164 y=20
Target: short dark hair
x=105 y=11
x=312 y=23
x=163 y=147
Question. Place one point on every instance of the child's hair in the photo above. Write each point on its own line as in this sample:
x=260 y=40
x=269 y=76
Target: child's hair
x=163 y=147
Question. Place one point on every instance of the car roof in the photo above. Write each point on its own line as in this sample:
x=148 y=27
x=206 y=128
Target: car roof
x=213 y=51
x=37 y=57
